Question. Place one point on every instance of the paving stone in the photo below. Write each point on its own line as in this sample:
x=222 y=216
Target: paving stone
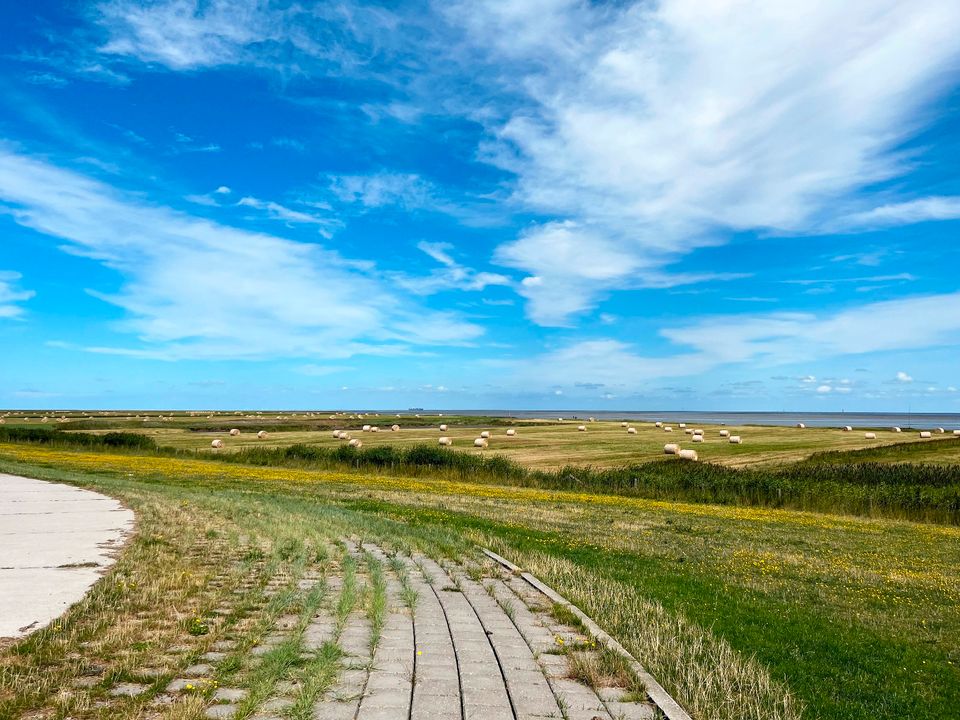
x=198 y=670
x=277 y=704
x=127 y=690
x=227 y=694
x=213 y=656
x=632 y=711
x=220 y=711
x=335 y=711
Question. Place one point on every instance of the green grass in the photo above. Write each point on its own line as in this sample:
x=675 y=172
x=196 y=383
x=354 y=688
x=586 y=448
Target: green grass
x=742 y=612
x=861 y=482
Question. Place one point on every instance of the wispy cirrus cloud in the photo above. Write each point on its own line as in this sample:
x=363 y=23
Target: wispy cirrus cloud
x=11 y=295
x=452 y=275
x=651 y=130
x=933 y=208
x=198 y=289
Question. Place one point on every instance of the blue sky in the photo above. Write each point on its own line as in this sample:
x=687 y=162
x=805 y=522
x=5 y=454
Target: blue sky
x=690 y=204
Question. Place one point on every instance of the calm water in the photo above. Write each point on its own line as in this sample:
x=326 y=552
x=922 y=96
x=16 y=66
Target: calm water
x=949 y=421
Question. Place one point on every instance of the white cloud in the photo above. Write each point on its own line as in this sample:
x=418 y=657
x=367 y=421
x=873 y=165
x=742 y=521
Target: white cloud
x=197 y=289
x=452 y=276
x=409 y=191
x=823 y=389
x=11 y=295
x=222 y=190
x=569 y=260
x=757 y=340
x=181 y=35
x=903 y=213
x=277 y=211
x=903 y=377
x=649 y=130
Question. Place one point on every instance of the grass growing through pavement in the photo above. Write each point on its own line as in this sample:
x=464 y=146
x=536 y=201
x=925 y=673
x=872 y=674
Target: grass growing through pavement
x=377 y=607
x=742 y=612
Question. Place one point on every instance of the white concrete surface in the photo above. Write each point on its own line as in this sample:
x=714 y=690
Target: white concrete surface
x=55 y=543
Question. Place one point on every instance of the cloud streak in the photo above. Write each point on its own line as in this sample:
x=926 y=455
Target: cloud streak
x=649 y=131
x=197 y=289
x=11 y=295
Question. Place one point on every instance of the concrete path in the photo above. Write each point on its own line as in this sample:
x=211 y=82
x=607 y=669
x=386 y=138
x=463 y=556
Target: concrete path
x=460 y=655
x=55 y=542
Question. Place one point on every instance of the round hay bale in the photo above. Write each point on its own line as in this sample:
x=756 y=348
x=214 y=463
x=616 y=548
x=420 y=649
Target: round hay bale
x=688 y=431
x=658 y=424
x=217 y=444
x=735 y=440
x=235 y=432
x=445 y=441
x=480 y=442
x=681 y=425
x=623 y=424
x=925 y=434
x=698 y=432
x=671 y=449
x=581 y=428
x=956 y=433
x=511 y=432
x=485 y=434
x=336 y=434
x=395 y=428
x=895 y=429
x=356 y=443
x=688 y=455
x=631 y=431
x=375 y=428
x=366 y=428
x=940 y=431
x=869 y=436
x=443 y=428
x=697 y=438
x=667 y=428
x=847 y=428
x=801 y=426
x=262 y=434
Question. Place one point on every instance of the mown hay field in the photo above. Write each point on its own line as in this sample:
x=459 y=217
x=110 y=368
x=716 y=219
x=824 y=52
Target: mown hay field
x=548 y=444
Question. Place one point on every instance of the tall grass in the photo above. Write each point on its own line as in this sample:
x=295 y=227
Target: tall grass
x=44 y=436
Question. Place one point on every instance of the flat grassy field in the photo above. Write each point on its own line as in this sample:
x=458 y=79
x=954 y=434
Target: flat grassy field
x=742 y=612
x=543 y=444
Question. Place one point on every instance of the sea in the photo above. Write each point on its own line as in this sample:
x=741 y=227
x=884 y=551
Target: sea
x=948 y=421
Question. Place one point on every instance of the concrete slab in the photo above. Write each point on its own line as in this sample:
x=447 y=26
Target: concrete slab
x=55 y=542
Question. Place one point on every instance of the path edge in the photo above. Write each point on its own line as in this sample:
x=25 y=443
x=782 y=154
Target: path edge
x=660 y=697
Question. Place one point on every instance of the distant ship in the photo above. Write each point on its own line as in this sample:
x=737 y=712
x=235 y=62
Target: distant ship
x=414 y=409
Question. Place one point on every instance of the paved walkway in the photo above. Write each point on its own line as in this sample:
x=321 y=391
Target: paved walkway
x=55 y=542
x=469 y=650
